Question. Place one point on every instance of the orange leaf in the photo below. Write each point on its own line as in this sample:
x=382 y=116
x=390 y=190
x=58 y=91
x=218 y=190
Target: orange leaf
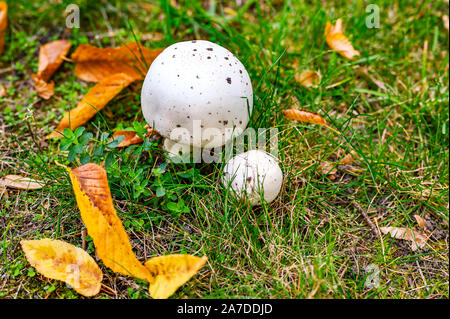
x=94 y=64
x=90 y=185
x=59 y=260
x=98 y=96
x=338 y=41
x=50 y=58
x=3 y=91
x=171 y=272
x=43 y=89
x=131 y=137
x=3 y=23
x=307 y=117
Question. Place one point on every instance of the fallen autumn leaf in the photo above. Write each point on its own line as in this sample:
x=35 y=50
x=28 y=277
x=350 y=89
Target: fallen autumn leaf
x=50 y=58
x=97 y=97
x=93 y=64
x=417 y=239
x=307 y=117
x=131 y=137
x=59 y=260
x=43 y=89
x=327 y=168
x=90 y=185
x=338 y=41
x=3 y=24
x=171 y=272
x=20 y=182
x=308 y=78
x=164 y=274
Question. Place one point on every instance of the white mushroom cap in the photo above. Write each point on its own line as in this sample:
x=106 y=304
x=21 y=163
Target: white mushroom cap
x=253 y=173
x=196 y=81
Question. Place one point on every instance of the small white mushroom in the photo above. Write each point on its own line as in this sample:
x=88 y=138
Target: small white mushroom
x=254 y=173
x=197 y=93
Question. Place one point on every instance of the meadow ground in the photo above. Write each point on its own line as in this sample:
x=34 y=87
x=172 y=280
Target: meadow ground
x=390 y=105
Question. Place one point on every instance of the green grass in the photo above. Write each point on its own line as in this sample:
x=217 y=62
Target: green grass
x=311 y=242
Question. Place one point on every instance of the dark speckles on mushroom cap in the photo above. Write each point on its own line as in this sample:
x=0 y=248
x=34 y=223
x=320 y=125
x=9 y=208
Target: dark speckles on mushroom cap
x=201 y=87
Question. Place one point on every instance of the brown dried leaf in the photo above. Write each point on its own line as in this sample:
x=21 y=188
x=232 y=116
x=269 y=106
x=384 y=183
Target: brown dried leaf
x=20 y=182
x=338 y=41
x=417 y=239
x=308 y=78
x=348 y=158
x=50 y=58
x=43 y=89
x=59 y=260
x=307 y=117
x=94 y=64
x=131 y=137
x=445 y=21
x=327 y=168
x=3 y=91
x=98 y=96
x=90 y=185
x=3 y=24
x=171 y=272
x=421 y=222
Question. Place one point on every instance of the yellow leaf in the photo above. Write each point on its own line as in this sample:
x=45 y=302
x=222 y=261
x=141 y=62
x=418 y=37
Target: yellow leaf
x=98 y=96
x=59 y=260
x=20 y=182
x=338 y=41
x=3 y=23
x=308 y=78
x=172 y=271
x=417 y=239
x=111 y=242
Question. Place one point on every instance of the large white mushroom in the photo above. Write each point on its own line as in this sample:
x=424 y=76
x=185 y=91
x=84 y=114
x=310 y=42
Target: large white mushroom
x=197 y=93
x=254 y=173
